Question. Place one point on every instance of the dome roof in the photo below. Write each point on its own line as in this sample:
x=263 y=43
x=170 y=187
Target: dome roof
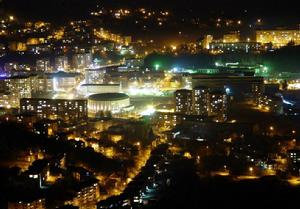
x=108 y=97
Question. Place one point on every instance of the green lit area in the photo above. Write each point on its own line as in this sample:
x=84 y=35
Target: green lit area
x=157 y=66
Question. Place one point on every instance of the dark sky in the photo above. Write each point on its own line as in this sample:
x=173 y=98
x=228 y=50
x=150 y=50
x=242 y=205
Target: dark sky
x=60 y=9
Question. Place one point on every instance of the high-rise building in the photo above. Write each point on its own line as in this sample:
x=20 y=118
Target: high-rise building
x=67 y=110
x=200 y=100
x=95 y=76
x=217 y=106
x=82 y=61
x=59 y=81
x=14 y=88
x=43 y=65
x=61 y=63
x=240 y=87
x=184 y=101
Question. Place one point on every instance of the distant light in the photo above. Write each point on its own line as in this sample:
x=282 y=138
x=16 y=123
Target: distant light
x=175 y=69
x=149 y=111
x=227 y=90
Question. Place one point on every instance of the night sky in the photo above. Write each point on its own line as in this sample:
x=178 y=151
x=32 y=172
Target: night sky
x=57 y=9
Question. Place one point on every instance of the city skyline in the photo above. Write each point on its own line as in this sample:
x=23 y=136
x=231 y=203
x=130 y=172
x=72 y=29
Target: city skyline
x=148 y=104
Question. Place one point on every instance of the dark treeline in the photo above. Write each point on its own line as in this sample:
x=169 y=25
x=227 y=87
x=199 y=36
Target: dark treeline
x=286 y=59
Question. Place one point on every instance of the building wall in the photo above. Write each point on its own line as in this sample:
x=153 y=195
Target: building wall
x=68 y=110
x=15 y=88
x=184 y=101
x=95 y=107
x=278 y=38
x=87 y=89
x=37 y=204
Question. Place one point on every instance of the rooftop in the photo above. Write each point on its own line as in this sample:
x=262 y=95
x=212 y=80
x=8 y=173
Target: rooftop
x=108 y=96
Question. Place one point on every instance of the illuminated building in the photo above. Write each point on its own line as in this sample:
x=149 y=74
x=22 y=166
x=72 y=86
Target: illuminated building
x=95 y=76
x=2 y=49
x=67 y=110
x=240 y=87
x=35 y=41
x=46 y=127
x=294 y=156
x=82 y=61
x=134 y=63
x=86 y=196
x=184 y=101
x=271 y=103
x=57 y=82
x=278 y=38
x=218 y=105
x=12 y=89
x=167 y=120
x=28 y=204
x=17 y=46
x=206 y=41
x=39 y=172
x=27 y=120
x=107 y=35
x=107 y=102
x=61 y=63
x=88 y=89
x=8 y=67
x=200 y=101
x=231 y=37
x=235 y=46
x=43 y=65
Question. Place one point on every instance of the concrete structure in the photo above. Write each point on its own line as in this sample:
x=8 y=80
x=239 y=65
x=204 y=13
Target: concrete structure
x=86 y=195
x=278 y=38
x=43 y=65
x=235 y=46
x=61 y=63
x=218 y=105
x=240 y=87
x=89 y=89
x=12 y=89
x=184 y=101
x=57 y=82
x=82 y=61
x=107 y=102
x=95 y=76
x=200 y=101
x=233 y=37
x=67 y=110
